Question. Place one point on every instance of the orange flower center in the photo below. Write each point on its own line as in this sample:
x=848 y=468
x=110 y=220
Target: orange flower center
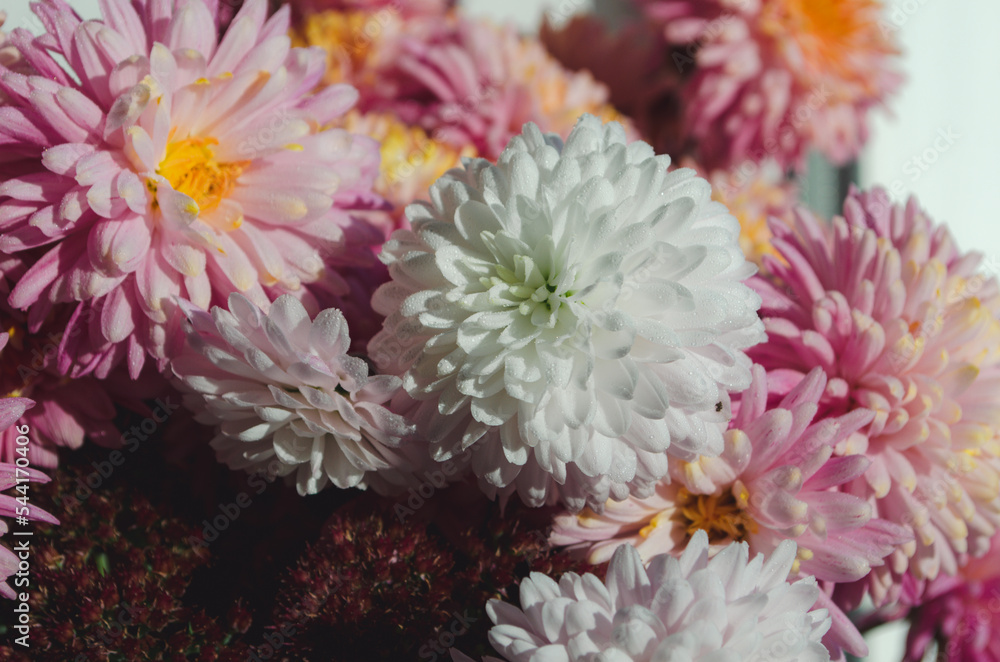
x=826 y=32
x=192 y=169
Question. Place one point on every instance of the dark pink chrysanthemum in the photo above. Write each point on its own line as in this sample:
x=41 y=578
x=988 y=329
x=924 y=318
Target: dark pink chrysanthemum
x=775 y=480
x=962 y=613
x=886 y=304
x=168 y=163
x=471 y=83
x=772 y=77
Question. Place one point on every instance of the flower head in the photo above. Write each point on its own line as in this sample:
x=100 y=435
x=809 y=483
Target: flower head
x=571 y=316
x=168 y=164
x=466 y=82
x=288 y=398
x=776 y=76
x=775 y=480
x=962 y=613
x=687 y=608
x=885 y=303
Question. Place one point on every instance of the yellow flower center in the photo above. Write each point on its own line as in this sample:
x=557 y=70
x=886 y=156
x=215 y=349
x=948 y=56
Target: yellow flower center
x=350 y=40
x=721 y=516
x=191 y=168
x=411 y=159
x=718 y=514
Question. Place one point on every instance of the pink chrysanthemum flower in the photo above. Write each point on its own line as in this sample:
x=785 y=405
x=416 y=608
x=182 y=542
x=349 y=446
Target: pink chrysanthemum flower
x=12 y=409
x=288 y=399
x=772 y=77
x=775 y=480
x=181 y=165
x=962 y=613
x=885 y=303
x=66 y=410
x=471 y=83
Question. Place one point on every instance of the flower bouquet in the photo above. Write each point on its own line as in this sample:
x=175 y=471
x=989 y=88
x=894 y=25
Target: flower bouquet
x=373 y=330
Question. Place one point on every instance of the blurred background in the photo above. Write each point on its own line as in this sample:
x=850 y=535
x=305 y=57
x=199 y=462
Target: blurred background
x=940 y=144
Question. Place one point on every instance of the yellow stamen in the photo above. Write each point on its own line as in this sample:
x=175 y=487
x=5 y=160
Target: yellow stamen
x=720 y=515
x=192 y=169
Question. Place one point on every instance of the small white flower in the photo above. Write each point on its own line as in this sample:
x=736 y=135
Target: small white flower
x=287 y=398
x=571 y=315
x=691 y=608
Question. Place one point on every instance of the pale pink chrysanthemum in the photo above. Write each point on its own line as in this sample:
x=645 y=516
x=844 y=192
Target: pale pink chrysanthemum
x=885 y=303
x=181 y=165
x=775 y=480
x=12 y=409
x=470 y=82
x=772 y=77
x=727 y=607
x=282 y=391
x=961 y=613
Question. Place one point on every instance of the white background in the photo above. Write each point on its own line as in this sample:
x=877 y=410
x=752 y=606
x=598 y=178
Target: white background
x=952 y=59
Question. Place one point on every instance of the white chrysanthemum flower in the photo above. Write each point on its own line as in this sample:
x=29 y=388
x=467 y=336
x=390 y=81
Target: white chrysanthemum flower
x=287 y=397
x=572 y=315
x=725 y=609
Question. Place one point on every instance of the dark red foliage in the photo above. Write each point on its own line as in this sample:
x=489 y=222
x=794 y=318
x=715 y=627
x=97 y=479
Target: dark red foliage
x=109 y=582
x=376 y=588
